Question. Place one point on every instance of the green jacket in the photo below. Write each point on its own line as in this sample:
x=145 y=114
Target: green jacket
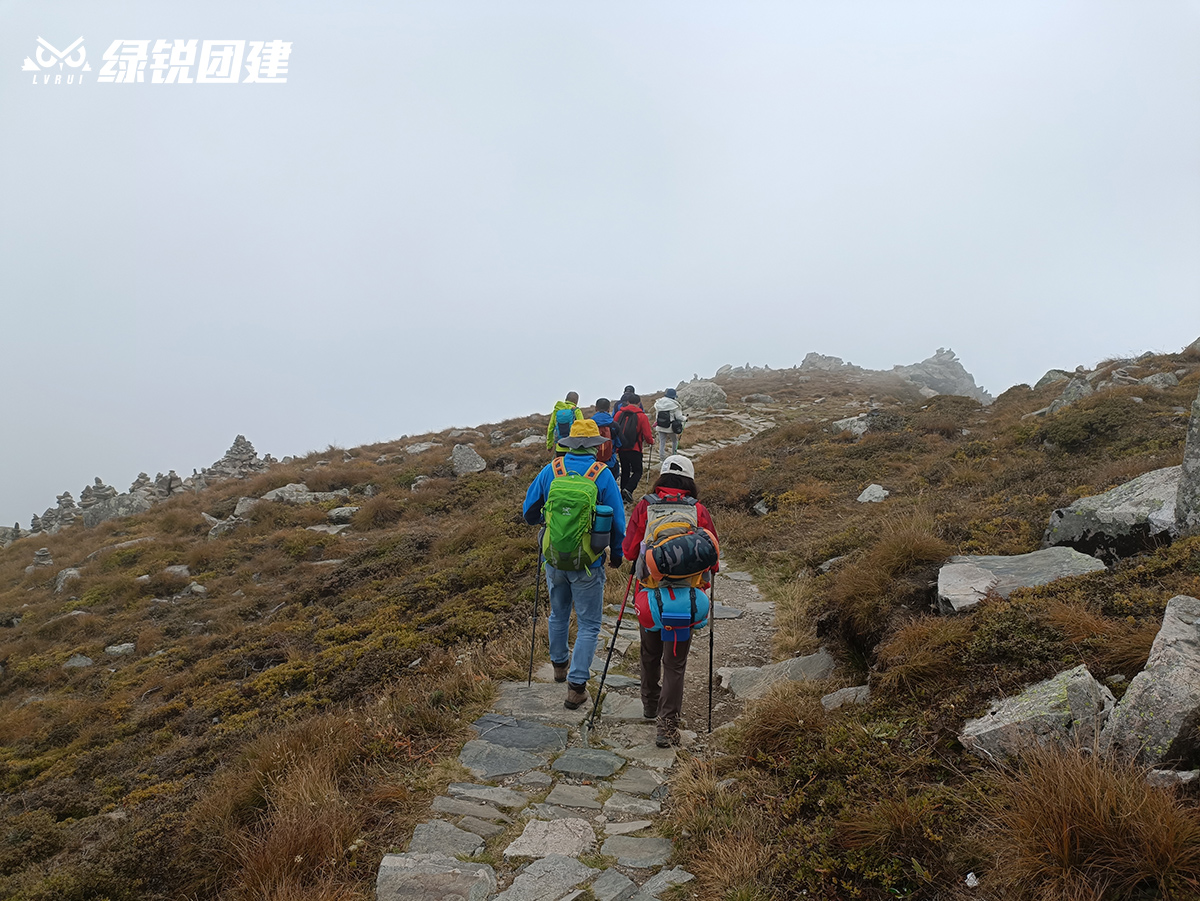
x=561 y=405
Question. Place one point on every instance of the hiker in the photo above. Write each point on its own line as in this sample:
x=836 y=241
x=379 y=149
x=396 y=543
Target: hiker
x=606 y=453
x=672 y=503
x=565 y=412
x=632 y=428
x=572 y=494
x=668 y=420
x=625 y=395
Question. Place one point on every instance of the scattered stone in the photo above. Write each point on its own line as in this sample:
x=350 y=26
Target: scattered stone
x=627 y=828
x=760 y=608
x=758 y=399
x=636 y=781
x=855 y=425
x=78 y=661
x=480 y=827
x=627 y=805
x=432 y=877
x=524 y=735
x=1172 y=778
x=613 y=885
x=1127 y=519
x=342 y=515
x=543 y=838
x=858 y=694
x=1157 y=717
x=298 y=493
x=65 y=577
x=701 y=395
x=662 y=881
x=640 y=853
x=586 y=763
x=489 y=794
x=1069 y=708
x=529 y=441
x=179 y=571
x=120 y=650
x=457 y=807
x=486 y=760
x=1160 y=380
x=1187 y=498
x=440 y=837
x=751 y=682
x=196 y=589
x=873 y=494
x=963 y=581
x=422 y=447
x=761 y=508
x=547 y=879
x=566 y=795
x=466 y=460
x=328 y=528
x=720 y=611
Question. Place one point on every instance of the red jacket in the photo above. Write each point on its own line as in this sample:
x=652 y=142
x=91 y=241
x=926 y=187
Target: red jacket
x=644 y=432
x=636 y=530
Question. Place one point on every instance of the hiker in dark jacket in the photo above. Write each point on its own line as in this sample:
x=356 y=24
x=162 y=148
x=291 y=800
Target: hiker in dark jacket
x=658 y=657
x=604 y=419
x=625 y=396
x=631 y=456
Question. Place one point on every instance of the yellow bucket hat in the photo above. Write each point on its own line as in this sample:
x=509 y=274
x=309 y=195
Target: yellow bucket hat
x=584 y=433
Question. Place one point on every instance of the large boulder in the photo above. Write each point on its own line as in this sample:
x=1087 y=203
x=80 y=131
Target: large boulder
x=1187 y=498
x=1122 y=521
x=1077 y=389
x=1052 y=376
x=1070 y=708
x=701 y=395
x=466 y=460
x=298 y=493
x=750 y=682
x=1157 y=718
x=944 y=374
x=114 y=507
x=963 y=581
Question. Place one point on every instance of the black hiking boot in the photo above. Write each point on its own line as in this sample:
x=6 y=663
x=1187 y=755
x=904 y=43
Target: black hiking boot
x=576 y=695
x=649 y=710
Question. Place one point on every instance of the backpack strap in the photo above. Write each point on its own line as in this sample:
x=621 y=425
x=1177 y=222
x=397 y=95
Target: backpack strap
x=594 y=470
x=560 y=468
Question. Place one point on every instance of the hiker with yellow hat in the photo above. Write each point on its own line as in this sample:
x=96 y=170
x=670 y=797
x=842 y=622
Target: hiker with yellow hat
x=577 y=499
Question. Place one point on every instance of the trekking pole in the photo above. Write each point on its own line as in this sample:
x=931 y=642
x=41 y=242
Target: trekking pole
x=712 y=616
x=537 y=586
x=591 y=721
x=646 y=469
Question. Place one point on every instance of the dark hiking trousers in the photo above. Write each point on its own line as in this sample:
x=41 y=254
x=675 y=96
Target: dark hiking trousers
x=668 y=659
x=631 y=469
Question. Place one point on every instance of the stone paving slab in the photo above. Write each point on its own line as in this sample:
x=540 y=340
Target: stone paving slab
x=613 y=885
x=654 y=757
x=489 y=794
x=535 y=780
x=540 y=701
x=551 y=812
x=617 y=680
x=566 y=795
x=627 y=828
x=543 y=838
x=588 y=763
x=735 y=576
x=663 y=880
x=720 y=611
x=440 y=837
x=524 y=735
x=622 y=804
x=547 y=879
x=752 y=682
x=640 y=853
x=620 y=708
x=432 y=877
x=487 y=761
x=760 y=607
x=457 y=807
x=479 y=827
x=635 y=781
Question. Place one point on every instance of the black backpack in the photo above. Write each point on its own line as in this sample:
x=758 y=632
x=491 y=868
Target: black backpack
x=627 y=427
x=664 y=419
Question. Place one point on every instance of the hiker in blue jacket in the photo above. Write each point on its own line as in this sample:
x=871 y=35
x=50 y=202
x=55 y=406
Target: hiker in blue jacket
x=604 y=420
x=584 y=589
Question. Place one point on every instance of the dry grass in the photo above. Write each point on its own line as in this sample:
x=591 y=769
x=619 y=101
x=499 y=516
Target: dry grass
x=925 y=652
x=768 y=727
x=1069 y=822
x=378 y=512
x=1116 y=645
x=795 y=603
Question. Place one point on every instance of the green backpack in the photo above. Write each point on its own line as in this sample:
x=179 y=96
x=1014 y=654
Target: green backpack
x=570 y=510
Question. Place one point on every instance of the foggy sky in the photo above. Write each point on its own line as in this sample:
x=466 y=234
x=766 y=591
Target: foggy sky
x=449 y=199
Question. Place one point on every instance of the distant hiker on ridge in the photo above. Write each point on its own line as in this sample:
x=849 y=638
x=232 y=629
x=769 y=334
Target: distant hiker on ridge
x=565 y=412
x=668 y=420
x=578 y=499
x=633 y=429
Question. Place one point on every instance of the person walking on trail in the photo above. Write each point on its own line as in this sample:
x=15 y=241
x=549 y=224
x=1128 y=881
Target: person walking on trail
x=633 y=428
x=607 y=453
x=668 y=421
x=573 y=495
x=671 y=504
x=565 y=413
x=625 y=395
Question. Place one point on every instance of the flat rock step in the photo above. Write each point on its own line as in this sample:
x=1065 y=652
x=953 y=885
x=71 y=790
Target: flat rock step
x=588 y=763
x=540 y=701
x=640 y=853
x=566 y=795
x=488 y=794
x=440 y=837
x=543 y=838
x=524 y=735
x=486 y=760
x=432 y=877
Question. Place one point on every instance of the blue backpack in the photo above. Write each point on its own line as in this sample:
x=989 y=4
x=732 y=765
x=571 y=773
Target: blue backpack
x=672 y=608
x=563 y=420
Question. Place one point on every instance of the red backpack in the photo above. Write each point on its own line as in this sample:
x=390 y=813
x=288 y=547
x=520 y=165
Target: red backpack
x=605 y=451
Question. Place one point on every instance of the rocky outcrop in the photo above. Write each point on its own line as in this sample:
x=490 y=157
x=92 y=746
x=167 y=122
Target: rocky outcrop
x=964 y=581
x=944 y=374
x=815 y=362
x=1122 y=521
x=95 y=494
x=1157 y=718
x=1187 y=497
x=240 y=460
x=119 y=505
x=750 y=682
x=298 y=493
x=1069 y=709
x=701 y=395
x=466 y=460
x=1077 y=389
x=1051 y=377
x=57 y=517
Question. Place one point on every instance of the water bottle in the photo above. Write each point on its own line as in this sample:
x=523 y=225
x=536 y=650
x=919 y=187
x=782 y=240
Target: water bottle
x=601 y=527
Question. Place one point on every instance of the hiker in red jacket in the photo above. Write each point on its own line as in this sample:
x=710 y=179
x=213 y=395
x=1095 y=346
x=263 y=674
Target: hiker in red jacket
x=631 y=422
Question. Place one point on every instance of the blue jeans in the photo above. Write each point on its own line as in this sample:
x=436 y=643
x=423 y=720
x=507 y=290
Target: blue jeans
x=583 y=590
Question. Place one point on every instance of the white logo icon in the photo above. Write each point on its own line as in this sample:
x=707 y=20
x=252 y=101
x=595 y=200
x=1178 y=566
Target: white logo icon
x=48 y=56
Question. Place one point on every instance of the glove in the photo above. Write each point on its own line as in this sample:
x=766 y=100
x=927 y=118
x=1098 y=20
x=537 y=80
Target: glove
x=615 y=561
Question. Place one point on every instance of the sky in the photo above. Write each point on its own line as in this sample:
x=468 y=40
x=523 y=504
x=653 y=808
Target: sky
x=453 y=212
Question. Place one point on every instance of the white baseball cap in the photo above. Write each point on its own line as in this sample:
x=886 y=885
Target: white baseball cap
x=679 y=465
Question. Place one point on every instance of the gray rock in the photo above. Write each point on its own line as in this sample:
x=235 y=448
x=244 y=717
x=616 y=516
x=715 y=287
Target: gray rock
x=240 y=460
x=439 y=837
x=488 y=794
x=662 y=881
x=65 y=577
x=524 y=735
x=858 y=694
x=482 y=828
x=458 y=807
x=586 y=763
x=342 y=515
x=830 y=564
x=1160 y=380
x=720 y=611
x=466 y=460
x=620 y=709
x=78 y=661
x=548 y=879
x=1172 y=778
x=627 y=828
x=636 y=781
x=565 y=795
x=486 y=760
x=701 y=395
x=751 y=682
x=115 y=507
x=1070 y=708
x=1157 y=718
x=620 y=804
x=963 y=581
x=1077 y=389
x=1187 y=498
x=540 y=701
x=552 y=812
x=41 y=557
x=943 y=374
x=1052 y=376
x=761 y=508
x=432 y=877
x=536 y=780
x=616 y=680
x=225 y=526
x=298 y=493
x=529 y=441
x=873 y=494
x=543 y=838
x=1121 y=521
x=652 y=756
x=245 y=505
x=640 y=853
x=179 y=570
x=120 y=650
x=855 y=425
x=422 y=446
x=613 y=885
x=758 y=399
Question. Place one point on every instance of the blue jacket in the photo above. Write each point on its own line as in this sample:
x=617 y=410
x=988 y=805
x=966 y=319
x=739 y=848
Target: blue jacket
x=605 y=419
x=607 y=493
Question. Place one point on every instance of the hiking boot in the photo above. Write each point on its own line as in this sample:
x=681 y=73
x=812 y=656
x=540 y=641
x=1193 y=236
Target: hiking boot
x=667 y=733
x=576 y=695
x=560 y=670
x=649 y=710
x=627 y=495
